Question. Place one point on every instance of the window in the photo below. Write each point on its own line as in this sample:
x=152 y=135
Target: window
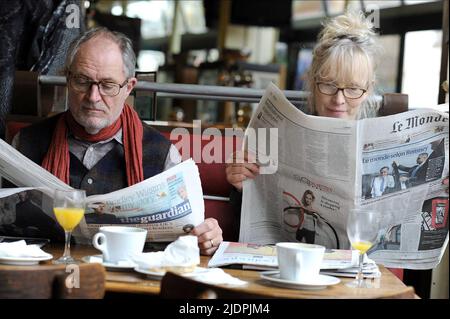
x=156 y=22
x=306 y=9
x=388 y=64
x=149 y=60
x=422 y=59
x=157 y=17
x=382 y=3
x=418 y=1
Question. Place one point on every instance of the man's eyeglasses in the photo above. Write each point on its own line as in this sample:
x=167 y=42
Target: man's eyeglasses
x=331 y=89
x=106 y=88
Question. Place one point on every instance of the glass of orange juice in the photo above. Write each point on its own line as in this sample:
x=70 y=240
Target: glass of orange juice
x=68 y=206
x=362 y=231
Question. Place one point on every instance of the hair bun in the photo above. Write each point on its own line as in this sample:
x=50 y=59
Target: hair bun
x=352 y=25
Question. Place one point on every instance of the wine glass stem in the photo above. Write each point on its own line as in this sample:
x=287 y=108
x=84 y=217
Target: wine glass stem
x=360 y=276
x=67 y=235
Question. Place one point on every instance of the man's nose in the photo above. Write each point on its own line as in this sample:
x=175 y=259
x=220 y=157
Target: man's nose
x=94 y=93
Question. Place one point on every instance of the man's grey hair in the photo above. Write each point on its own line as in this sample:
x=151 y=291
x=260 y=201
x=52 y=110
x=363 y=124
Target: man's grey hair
x=124 y=43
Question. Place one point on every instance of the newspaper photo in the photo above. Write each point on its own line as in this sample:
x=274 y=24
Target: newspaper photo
x=168 y=205
x=314 y=170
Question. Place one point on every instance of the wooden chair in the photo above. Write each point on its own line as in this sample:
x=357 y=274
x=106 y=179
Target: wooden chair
x=52 y=282
x=174 y=286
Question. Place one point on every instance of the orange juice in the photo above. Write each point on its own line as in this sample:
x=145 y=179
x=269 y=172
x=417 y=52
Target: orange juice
x=362 y=246
x=67 y=217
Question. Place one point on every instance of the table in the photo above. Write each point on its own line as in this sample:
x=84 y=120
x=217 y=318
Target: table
x=135 y=283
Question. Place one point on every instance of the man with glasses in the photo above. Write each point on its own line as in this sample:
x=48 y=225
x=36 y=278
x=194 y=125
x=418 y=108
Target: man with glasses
x=100 y=144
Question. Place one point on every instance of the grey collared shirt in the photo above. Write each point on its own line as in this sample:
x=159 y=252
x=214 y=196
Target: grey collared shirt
x=91 y=153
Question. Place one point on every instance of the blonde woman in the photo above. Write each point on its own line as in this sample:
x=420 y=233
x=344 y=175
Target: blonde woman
x=341 y=78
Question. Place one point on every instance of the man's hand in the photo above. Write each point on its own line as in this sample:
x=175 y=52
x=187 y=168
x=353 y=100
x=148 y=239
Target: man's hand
x=238 y=168
x=209 y=236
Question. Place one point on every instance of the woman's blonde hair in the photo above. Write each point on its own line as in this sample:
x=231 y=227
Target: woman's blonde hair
x=346 y=50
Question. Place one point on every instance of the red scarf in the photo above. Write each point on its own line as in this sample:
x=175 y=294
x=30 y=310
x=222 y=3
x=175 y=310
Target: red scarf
x=57 y=159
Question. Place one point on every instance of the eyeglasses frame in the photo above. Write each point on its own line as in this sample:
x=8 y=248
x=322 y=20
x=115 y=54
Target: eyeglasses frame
x=340 y=89
x=71 y=76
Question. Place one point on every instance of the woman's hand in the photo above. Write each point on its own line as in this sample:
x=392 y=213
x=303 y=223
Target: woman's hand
x=209 y=235
x=240 y=166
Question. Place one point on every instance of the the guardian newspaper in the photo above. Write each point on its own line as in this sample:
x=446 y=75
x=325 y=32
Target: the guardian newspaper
x=168 y=205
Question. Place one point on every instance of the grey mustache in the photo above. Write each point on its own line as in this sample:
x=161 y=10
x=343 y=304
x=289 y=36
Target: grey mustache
x=93 y=108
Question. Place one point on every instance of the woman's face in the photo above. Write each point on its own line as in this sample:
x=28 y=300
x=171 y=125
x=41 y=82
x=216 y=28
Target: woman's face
x=308 y=199
x=352 y=72
x=338 y=105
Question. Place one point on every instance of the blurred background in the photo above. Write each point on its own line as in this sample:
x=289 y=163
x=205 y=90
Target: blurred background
x=241 y=44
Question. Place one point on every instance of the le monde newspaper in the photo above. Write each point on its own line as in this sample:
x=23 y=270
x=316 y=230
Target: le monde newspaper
x=313 y=170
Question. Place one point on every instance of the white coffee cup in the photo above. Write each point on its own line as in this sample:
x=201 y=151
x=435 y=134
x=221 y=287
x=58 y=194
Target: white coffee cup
x=119 y=243
x=298 y=261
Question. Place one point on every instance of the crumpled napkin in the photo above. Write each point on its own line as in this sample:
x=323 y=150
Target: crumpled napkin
x=370 y=268
x=183 y=252
x=21 y=249
x=215 y=276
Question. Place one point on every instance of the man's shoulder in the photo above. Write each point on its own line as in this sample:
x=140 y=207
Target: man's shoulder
x=154 y=142
x=148 y=127
x=46 y=123
x=152 y=133
x=37 y=135
x=33 y=141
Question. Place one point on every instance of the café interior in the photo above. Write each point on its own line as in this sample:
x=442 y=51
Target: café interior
x=204 y=64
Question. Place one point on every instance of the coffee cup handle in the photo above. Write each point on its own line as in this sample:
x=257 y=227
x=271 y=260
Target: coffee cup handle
x=100 y=246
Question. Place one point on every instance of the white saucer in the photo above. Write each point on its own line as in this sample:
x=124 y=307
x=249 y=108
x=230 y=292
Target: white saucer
x=150 y=274
x=320 y=282
x=158 y=275
x=23 y=261
x=121 y=266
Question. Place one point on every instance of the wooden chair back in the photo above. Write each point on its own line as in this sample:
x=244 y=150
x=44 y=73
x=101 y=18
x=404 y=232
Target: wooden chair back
x=83 y=281
x=174 y=286
x=393 y=103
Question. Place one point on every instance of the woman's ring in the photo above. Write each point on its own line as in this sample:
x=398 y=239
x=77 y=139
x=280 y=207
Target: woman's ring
x=212 y=243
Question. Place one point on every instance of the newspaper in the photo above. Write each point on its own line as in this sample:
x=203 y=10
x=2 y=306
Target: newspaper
x=338 y=262
x=316 y=169
x=168 y=205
